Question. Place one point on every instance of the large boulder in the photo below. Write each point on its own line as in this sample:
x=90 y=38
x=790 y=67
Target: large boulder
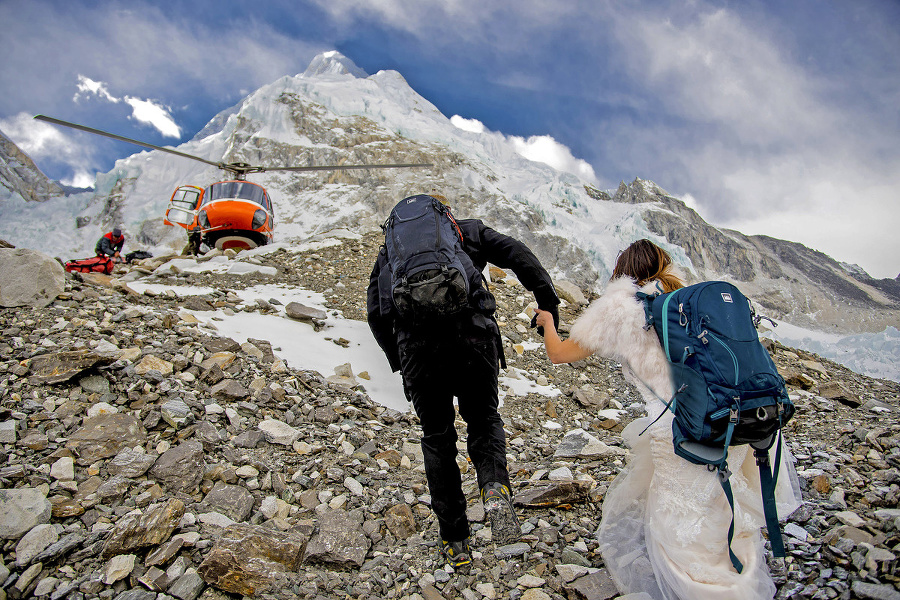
x=29 y=278
x=247 y=558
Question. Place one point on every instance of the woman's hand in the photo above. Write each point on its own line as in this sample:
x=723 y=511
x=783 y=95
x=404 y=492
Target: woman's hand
x=544 y=319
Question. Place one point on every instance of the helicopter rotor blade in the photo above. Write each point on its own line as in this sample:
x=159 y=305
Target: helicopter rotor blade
x=125 y=139
x=238 y=169
x=347 y=167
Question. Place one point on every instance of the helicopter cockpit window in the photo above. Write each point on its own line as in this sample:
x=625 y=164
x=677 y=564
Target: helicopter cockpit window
x=186 y=199
x=182 y=205
x=237 y=189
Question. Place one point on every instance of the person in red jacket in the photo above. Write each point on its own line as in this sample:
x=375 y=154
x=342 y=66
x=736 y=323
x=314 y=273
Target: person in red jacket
x=111 y=244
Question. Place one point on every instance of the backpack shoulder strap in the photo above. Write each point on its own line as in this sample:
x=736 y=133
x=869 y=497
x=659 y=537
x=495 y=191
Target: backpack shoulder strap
x=647 y=301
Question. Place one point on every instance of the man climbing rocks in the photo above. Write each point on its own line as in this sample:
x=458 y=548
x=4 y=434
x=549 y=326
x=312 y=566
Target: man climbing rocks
x=455 y=355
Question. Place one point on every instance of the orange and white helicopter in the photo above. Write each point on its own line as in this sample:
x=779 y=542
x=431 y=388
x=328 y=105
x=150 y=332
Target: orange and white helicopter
x=227 y=214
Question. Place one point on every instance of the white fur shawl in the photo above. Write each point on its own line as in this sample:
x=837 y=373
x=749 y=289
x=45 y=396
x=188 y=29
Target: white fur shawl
x=613 y=326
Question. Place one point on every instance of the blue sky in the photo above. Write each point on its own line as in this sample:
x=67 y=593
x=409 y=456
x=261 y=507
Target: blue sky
x=778 y=118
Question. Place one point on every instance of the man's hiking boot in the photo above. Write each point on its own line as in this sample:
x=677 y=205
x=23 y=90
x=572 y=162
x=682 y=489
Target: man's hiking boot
x=458 y=554
x=498 y=508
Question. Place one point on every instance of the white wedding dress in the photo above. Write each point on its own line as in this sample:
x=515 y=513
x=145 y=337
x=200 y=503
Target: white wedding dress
x=664 y=527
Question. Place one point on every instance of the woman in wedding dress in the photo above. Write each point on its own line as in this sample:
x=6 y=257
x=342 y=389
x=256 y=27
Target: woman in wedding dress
x=664 y=529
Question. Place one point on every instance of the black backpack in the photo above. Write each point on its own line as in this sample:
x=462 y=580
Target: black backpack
x=431 y=276
x=728 y=390
x=137 y=255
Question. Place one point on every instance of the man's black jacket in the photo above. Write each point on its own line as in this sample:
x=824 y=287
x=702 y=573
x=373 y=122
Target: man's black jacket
x=107 y=245
x=483 y=245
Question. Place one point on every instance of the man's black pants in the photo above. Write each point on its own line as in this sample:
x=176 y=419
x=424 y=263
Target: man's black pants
x=434 y=371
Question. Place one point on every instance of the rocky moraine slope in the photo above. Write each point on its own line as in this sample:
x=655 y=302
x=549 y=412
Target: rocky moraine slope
x=143 y=457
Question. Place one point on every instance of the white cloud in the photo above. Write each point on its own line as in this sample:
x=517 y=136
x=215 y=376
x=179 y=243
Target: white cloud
x=42 y=141
x=81 y=179
x=471 y=125
x=89 y=87
x=539 y=148
x=545 y=149
x=36 y=138
x=148 y=112
x=689 y=201
x=154 y=114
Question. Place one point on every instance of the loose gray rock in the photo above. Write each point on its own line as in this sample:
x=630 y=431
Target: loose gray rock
x=595 y=586
x=340 y=540
x=570 y=292
x=131 y=463
x=872 y=591
x=229 y=389
x=104 y=436
x=581 y=444
x=188 y=586
x=94 y=384
x=7 y=432
x=29 y=278
x=233 y=501
x=279 y=432
x=300 y=312
x=34 y=542
x=180 y=468
x=149 y=528
x=21 y=509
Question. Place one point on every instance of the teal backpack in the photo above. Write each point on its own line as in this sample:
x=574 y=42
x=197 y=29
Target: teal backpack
x=728 y=390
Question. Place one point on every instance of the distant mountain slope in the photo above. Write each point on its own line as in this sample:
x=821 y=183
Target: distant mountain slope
x=789 y=280
x=19 y=176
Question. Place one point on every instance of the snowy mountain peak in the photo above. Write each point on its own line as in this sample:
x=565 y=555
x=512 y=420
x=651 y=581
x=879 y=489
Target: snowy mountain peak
x=333 y=63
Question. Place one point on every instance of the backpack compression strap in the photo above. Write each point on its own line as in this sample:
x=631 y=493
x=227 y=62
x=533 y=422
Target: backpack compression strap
x=768 y=478
x=724 y=474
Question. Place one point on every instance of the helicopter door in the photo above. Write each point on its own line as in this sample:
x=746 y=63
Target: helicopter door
x=182 y=209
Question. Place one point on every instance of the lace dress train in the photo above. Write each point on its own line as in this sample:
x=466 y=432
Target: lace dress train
x=664 y=529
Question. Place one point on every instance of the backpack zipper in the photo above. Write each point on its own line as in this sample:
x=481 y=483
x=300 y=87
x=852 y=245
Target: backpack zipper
x=733 y=357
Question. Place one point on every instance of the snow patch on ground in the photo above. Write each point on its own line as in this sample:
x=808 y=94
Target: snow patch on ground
x=300 y=346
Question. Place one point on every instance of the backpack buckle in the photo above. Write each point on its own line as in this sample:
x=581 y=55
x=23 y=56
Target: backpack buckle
x=733 y=416
x=723 y=473
x=762 y=456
